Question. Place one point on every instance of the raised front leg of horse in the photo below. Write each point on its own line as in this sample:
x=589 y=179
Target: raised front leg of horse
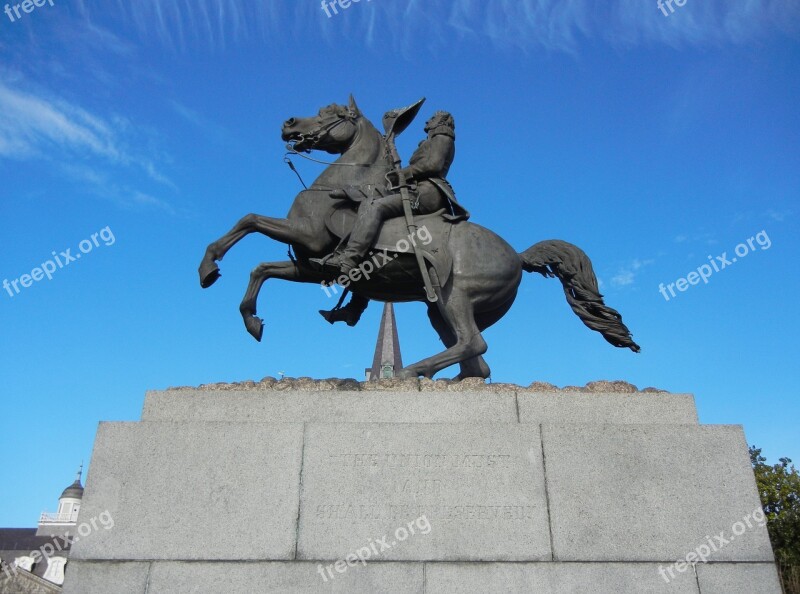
x=288 y=271
x=305 y=232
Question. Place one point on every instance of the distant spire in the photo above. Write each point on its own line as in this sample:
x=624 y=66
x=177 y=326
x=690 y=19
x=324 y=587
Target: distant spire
x=80 y=474
x=387 y=360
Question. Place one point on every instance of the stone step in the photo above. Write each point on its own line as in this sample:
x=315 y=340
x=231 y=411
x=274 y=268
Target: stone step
x=306 y=577
x=493 y=403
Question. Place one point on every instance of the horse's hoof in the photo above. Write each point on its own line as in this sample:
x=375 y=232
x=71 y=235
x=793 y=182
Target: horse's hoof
x=209 y=273
x=255 y=326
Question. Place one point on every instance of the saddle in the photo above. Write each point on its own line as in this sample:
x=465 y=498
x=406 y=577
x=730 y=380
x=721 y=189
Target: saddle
x=394 y=238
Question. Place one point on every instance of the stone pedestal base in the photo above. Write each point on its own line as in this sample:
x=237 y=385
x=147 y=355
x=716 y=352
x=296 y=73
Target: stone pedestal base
x=303 y=486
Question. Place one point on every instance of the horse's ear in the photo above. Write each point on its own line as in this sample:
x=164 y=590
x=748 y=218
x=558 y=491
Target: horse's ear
x=353 y=106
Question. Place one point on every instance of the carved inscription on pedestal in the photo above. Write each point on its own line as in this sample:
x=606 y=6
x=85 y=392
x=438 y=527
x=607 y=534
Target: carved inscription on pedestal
x=480 y=485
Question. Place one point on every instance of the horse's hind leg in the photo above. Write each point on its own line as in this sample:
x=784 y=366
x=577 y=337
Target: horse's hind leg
x=474 y=367
x=458 y=315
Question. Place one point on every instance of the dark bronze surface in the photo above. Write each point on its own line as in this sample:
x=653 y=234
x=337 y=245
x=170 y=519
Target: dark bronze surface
x=486 y=271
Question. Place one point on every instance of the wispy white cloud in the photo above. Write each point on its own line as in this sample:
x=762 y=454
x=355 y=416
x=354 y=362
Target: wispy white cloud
x=36 y=125
x=696 y=237
x=201 y=122
x=779 y=215
x=623 y=278
x=563 y=24
x=104 y=185
x=553 y=25
x=30 y=125
x=627 y=274
x=208 y=23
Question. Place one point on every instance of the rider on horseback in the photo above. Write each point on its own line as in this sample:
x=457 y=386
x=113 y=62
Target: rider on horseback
x=481 y=271
x=427 y=169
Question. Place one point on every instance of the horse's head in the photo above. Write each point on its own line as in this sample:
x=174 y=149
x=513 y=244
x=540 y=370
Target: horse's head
x=332 y=130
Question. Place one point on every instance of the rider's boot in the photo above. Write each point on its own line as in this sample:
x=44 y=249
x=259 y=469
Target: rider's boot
x=365 y=231
x=336 y=263
x=350 y=313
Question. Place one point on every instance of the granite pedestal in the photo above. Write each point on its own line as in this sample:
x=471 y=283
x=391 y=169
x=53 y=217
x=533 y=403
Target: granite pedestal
x=421 y=486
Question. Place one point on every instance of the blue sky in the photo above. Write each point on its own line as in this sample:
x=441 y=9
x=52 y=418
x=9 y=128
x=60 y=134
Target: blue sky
x=651 y=141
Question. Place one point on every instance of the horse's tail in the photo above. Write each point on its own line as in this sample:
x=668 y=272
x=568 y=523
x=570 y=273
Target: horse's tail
x=574 y=269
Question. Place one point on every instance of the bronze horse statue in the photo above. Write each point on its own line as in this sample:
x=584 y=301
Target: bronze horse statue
x=484 y=270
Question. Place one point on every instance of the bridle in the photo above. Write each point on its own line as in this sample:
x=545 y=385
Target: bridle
x=312 y=138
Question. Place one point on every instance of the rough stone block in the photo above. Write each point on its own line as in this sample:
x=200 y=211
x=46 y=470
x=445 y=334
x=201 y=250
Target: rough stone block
x=480 y=487
x=553 y=578
x=193 y=491
x=738 y=578
x=284 y=578
x=86 y=577
x=254 y=487
x=588 y=407
x=651 y=493
x=271 y=406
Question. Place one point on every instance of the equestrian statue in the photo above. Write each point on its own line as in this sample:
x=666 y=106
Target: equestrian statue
x=398 y=234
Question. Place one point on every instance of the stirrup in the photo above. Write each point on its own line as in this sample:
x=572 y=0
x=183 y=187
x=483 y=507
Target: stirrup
x=324 y=262
x=342 y=314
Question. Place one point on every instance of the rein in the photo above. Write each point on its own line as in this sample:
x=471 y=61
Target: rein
x=290 y=151
x=314 y=138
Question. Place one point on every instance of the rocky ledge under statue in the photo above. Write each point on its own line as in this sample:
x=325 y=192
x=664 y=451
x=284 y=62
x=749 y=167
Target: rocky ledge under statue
x=468 y=276
x=308 y=384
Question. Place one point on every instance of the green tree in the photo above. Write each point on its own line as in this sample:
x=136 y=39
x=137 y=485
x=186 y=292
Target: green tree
x=779 y=488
